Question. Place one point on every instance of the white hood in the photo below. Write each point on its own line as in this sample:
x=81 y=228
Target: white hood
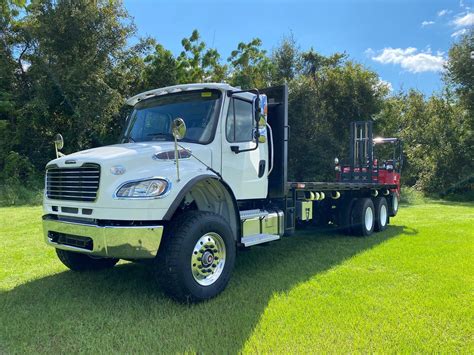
x=123 y=153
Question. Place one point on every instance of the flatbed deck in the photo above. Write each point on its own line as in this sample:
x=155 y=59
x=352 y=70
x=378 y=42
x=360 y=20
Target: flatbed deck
x=339 y=186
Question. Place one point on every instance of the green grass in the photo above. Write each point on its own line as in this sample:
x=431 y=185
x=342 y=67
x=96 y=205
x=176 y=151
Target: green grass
x=409 y=289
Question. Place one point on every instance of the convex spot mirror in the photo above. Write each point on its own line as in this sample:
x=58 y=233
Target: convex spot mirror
x=178 y=128
x=58 y=141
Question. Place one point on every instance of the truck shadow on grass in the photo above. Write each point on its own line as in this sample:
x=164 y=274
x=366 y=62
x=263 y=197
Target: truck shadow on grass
x=123 y=310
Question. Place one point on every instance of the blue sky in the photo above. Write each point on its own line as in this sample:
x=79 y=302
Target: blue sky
x=405 y=42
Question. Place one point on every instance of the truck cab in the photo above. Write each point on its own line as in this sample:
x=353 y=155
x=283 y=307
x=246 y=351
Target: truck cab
x=200 y=170
x=121 y=201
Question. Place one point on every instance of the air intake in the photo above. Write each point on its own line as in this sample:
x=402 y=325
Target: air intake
x=73 y=184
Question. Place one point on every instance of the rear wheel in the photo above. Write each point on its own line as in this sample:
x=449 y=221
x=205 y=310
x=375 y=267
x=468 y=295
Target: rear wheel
x=381 y=213
x=196 y=258
x=83 y=262
x=393 y=207
x=363 y=217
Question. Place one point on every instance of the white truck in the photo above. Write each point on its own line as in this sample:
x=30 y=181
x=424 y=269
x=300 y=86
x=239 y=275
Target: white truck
x=201 y=170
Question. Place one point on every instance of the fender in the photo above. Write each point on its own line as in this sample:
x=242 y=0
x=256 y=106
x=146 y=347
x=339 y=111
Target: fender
x=189 y=186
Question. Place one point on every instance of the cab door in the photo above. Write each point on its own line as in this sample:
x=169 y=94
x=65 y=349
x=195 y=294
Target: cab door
x=245 y=171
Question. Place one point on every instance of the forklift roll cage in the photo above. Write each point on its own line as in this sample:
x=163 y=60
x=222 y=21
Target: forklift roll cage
x=363 y=166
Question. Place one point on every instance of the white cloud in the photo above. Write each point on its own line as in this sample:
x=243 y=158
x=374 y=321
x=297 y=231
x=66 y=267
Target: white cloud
x=410 y=59
x=459 y=32
x=443 y=12
x=427 y=23
x=466 y=20
x=385 y=83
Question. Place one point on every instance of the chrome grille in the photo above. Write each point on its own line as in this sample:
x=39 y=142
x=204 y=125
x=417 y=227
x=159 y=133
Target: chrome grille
x=73 y=184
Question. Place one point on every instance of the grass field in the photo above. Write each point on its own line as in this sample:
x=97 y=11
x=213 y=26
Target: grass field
x=409 y=289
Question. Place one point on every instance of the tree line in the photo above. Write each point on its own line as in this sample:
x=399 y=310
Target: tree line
x=67 y=66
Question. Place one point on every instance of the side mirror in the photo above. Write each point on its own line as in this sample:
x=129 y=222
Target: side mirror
x=58 y=141
x=257 y=109
x=58 y=144
x=178 y=127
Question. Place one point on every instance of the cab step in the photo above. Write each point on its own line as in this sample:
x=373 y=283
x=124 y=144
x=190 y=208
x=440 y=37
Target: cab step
x=251 y=214
x=255 y=239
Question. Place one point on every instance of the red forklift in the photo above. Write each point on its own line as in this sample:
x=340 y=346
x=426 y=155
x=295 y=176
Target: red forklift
x=364 y=162
x=373 y=160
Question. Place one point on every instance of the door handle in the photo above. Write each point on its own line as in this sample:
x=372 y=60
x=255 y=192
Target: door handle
x=261 y=168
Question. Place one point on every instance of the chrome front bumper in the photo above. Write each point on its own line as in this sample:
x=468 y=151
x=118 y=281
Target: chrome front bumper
x=124 y=242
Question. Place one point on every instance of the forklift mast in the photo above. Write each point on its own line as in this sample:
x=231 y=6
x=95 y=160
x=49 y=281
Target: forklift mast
x=361 y=157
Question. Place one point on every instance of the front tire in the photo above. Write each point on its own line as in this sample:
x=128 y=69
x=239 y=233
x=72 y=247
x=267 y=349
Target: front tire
x=196 y=258
x=363 y=217
x=83 y=262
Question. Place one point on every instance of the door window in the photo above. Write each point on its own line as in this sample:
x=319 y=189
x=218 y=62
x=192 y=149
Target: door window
x=239 y=127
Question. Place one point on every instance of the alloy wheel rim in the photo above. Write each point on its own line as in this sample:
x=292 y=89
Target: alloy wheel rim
x=369 y=218
x=383 y=215
x=208 y=259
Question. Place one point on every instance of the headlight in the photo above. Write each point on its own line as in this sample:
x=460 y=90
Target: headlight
x=150 y=188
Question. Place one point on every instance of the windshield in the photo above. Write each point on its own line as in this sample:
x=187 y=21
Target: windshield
x=151 y=119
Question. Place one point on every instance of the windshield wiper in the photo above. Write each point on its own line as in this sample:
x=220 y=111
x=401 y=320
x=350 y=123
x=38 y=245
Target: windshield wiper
x=161 y=134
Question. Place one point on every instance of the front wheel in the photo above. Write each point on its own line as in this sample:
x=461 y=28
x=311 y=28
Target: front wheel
x=83 y=262
x=196 y=258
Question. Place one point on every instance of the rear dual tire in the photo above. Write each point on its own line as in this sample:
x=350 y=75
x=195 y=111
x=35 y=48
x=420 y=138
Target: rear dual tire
x=381 y=214
x=363 y=216
x=393 y=205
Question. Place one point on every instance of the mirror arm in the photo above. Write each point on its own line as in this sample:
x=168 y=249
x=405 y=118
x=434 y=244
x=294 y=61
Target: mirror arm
x=230 y=92
x=236 y=148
